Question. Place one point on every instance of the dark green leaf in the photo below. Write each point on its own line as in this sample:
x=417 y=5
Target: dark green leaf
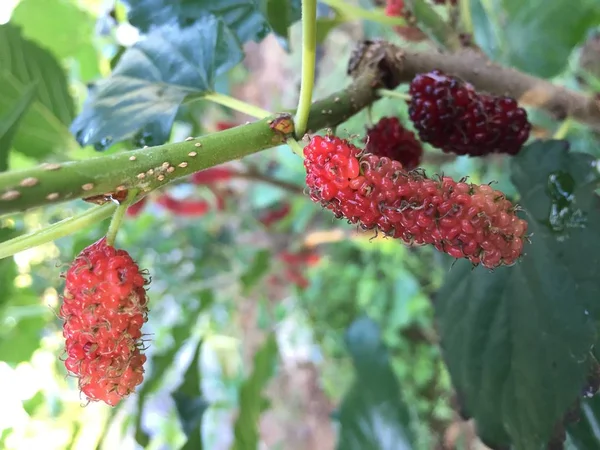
x=556 y=25
x=11 y=118
x=372 y=415
x=242 y=16
x=259 y=267
x=152 y=78
x=515 y=335
x=44 y=127
x=190 y=404
x=281 y=14
x=161 y=362
x=251 y=401
x=584 y=433
x=63 y=28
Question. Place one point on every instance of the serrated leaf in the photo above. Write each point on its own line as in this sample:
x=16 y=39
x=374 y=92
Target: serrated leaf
x=10 y=118
x=372 y=415
x=63 y=28
x=152 y=78
x=537 y=22
x=44 y=128
x=249 y=19
x=190 y=403
x=258 y=268
x=161 y=362
x=251 y=400
x=513 y=336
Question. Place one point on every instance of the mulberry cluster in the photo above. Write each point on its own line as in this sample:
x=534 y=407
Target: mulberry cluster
x=460 y=219
x=389 y=138
x=104 y=308
x=451 y=115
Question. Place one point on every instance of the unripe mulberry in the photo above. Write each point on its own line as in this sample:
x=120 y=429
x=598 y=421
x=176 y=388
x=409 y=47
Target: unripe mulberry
x=104 y=308
x=395 y=8
x=460 y=219
x=389 y=138
x=451 y=115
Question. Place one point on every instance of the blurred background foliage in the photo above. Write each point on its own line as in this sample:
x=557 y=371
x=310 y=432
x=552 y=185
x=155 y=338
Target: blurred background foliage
x=295 y=334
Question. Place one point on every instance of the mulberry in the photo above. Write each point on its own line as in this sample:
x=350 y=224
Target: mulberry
x=104 y=308
x=460 y=219
x=451 y=115
x=389 y=138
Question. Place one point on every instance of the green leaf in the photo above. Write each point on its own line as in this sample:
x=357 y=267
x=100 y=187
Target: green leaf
x=585 y=433
x=248 y=19
x=20 y=332
x=152 y=78
x=483 y=29
x=32 y=404
x=259 y=267
x=513 y=336
x=251 y=401
x=63 y=28
x=8 y=269
x=556 y=25
x=242 y=16
x=190 y=404
x=372 y=415
x=162 y=361
x=325 y=25
x=44 y=127
x=11 y=118
x=280 y=14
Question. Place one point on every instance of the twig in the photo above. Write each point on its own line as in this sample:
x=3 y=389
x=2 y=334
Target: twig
x=257 y=176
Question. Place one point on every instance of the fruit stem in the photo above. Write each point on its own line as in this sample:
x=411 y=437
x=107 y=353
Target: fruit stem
x=309 y=56
x=465 y=15
x=295 y=146
x=117 y=219
x=393 y=94
x=237 y=105
x=55 y=231
x=257 y=176
x=355 y=12
x=562 y=131
x=433 y=25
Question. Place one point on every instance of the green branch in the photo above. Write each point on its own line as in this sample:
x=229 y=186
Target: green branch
x=433 y=25
x=60 y=229
x=309 y=56
x=150 y=168
x=118 y=216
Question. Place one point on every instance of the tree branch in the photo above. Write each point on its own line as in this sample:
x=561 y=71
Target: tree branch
x=147 y=169
x=476 y=68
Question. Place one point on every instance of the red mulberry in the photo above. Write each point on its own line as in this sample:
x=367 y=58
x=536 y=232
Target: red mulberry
x=463 y=220
x=104 y=308
x=451 y=115
x=389 y=138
